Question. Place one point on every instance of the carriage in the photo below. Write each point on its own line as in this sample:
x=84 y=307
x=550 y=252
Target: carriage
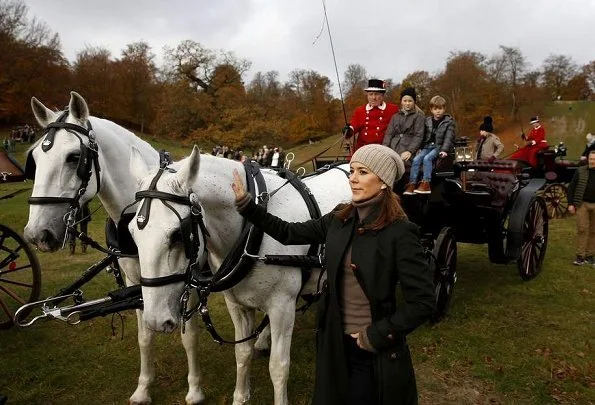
x=557 y=171
x=20 y=273
x=483 y=202
x=479 y=202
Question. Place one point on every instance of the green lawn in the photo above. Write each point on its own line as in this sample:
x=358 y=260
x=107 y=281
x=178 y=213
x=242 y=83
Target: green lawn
x=505 y=342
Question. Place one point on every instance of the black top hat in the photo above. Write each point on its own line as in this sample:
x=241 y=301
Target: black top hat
x=534 y=120
x=376 y=85
x=487 y=124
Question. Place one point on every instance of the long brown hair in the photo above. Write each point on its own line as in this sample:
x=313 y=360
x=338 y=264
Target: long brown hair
x=390 y=211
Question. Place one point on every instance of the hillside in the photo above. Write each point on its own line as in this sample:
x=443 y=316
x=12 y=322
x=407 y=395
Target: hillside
x=566 y=121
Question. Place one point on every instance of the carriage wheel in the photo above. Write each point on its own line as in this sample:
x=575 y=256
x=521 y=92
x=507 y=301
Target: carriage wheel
x=534 y=239
x=445 y=275
x=556 y=200
x=20 y=275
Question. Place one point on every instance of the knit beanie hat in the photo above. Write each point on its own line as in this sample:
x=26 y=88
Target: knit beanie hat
x=487 y=124
x=382 y=161
x=409 y=91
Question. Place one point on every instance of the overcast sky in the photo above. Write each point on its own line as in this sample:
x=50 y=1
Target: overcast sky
x=389 y=38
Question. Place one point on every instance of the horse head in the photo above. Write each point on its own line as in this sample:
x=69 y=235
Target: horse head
x=162 y=237
x=57 y=162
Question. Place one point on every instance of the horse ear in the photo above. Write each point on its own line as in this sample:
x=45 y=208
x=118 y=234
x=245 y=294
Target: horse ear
x=189 y=170
x=78 y=107
x=42 y=114
x=138 y=167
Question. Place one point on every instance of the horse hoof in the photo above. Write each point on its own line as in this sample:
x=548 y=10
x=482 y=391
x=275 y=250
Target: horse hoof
x=139 y=403
x=261 y=353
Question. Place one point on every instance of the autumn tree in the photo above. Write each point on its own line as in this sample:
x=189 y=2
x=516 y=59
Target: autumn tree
x=198 y=65
x=558 y=70
x=136 y=77
x=94 y=77
x=31 y=63
x=466 y=86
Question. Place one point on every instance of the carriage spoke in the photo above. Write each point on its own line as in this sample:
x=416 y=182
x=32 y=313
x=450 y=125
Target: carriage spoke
x=6 y=310
x=3 y=280
x=24 y=267
x=13 y=295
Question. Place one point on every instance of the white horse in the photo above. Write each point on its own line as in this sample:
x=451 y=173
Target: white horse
x=56 y=176
x=273 y=289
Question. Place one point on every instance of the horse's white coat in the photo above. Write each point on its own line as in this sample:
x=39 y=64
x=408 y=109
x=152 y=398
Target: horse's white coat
x=57 y=178
x=272 y=289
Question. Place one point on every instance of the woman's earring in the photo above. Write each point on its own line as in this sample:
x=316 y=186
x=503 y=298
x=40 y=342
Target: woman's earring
x=383 y=187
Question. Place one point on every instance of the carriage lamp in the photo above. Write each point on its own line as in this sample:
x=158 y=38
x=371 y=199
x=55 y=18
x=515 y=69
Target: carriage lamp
x=463 y=153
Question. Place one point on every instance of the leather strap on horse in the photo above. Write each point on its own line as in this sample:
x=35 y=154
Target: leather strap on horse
x=236 y=264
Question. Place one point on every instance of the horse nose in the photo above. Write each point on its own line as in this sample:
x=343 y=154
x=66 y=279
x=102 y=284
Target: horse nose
x=169 y=326
x=46 y=237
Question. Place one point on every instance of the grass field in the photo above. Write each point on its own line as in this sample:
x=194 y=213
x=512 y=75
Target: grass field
x=505 y=341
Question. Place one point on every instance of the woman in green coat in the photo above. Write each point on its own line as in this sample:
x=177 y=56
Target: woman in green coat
x=362 y=355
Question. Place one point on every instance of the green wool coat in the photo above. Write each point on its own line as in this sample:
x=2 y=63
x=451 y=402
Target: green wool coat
x=382 y=260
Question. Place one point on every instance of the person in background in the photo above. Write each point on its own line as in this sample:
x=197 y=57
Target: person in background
x=362 y=355
x=534 y=142
x=581 y=201
x=371 y=120
x=278 y=158
x=405 y=132
x=438 y=142
x=589 y=147
x=489 y=147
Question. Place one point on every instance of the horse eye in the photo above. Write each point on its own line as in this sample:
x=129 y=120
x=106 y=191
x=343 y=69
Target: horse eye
x=73 y=158
x=175 y=238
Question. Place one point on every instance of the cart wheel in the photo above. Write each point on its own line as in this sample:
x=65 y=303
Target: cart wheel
x=20 y=275
x=445 y=274
x=556 y=200
x=534 y=239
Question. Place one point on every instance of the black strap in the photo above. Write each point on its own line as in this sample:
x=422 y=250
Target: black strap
x=236 y=265
x=161 y=281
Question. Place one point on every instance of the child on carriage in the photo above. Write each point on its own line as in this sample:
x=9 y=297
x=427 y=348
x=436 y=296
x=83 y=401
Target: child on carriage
x=405 y=132
x=438 y=142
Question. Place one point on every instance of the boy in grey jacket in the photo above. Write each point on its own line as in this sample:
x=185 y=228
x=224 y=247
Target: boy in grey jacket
x=438 y=142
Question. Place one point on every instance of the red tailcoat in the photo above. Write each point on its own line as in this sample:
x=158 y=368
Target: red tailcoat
x=371 y=123
x=529 y=153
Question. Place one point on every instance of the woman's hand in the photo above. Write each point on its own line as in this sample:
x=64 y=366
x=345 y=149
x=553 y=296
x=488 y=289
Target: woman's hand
x=572 y=209
x=443 y=154
x=238 y=185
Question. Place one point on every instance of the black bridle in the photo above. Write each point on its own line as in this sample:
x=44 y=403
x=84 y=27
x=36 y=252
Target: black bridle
x=192 y=228
x=89 y=158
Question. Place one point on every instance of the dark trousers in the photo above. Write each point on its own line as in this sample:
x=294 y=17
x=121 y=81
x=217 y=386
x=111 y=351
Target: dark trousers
x=360 y=368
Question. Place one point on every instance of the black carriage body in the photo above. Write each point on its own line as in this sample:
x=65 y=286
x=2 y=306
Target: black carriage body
x=481 y=202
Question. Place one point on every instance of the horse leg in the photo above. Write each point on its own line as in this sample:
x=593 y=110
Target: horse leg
x=147 y=365
x=190 y=342
x=282 y=317
x=243 y=322
x=263 y=344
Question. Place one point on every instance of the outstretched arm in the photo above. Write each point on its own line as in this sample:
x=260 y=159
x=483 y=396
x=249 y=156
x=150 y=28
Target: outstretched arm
x=288 y=233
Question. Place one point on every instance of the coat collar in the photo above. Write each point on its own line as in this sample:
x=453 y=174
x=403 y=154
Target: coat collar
x=380 y=107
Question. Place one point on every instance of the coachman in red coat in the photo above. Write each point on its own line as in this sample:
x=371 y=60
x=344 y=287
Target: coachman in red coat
x=371 y=120
x=534 y=142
